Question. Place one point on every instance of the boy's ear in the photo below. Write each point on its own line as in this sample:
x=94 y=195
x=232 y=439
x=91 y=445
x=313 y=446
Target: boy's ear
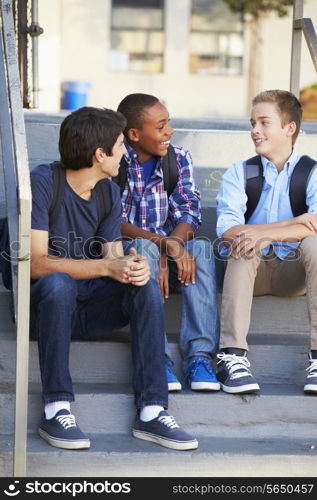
x=291 y=128
x=99 y=154
x=133 y=134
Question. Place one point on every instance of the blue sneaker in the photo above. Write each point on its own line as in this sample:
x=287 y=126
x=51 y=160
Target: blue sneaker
x=63 y=432
x=164 y=430
x=172 y=381
x=201 y=376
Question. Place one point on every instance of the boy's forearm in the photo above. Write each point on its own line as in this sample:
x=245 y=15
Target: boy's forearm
x=280 y=231
x=182 y=233
x=271 y=228
x=77 y=269
x=288 y=232
x=129 y=231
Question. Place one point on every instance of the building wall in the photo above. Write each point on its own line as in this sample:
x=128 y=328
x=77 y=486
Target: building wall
x=76 y=46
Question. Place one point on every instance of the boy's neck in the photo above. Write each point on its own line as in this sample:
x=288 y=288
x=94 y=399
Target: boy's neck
x=83 y=181
x=280 y=159
x=143 y=156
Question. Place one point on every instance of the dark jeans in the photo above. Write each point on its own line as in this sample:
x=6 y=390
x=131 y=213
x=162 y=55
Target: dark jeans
x=63 y=308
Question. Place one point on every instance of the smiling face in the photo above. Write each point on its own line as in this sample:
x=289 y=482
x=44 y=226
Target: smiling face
x=154 y=137
x=272 y=138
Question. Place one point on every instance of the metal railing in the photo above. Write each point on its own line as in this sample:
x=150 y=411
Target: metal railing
x=18 y=202
x=305 y=26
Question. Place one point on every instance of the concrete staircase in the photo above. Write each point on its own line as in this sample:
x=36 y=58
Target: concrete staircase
x=271 y=434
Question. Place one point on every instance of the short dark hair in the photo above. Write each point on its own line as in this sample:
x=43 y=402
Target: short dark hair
x=289 y=106
x=85 y=130
x=133 y=107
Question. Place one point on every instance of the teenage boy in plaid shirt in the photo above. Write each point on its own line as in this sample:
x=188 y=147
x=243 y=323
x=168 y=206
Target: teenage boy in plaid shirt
x=162 y=227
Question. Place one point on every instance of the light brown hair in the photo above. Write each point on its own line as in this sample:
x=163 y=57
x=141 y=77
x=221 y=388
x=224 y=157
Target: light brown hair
x=288 y=105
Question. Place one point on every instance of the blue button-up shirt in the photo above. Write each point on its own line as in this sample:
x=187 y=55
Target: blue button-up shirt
x=148 y=206
x=274 y=204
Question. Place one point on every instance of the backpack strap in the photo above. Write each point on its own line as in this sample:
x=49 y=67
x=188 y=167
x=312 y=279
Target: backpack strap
x=169 y=169
x=298 y=184
x=254 y=180
x=59 y=182
x=104 y=199
x=121 y=178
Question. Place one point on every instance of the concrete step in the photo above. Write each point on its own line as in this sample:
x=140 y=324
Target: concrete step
x=109 y=408
x=270 y=315
x=278 y=351
x=114 y=455
x=110 y=361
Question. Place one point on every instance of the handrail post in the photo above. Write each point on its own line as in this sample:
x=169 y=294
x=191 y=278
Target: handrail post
x=296 y=49
x=18 y=138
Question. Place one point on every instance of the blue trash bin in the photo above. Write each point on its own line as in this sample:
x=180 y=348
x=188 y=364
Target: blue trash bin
x=75 y=94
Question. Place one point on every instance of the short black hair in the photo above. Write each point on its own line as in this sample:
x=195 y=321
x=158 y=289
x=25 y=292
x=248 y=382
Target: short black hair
x=85 y=130
x=133 y=106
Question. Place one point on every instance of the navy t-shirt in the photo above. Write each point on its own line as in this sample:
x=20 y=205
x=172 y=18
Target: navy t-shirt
x=76 y=230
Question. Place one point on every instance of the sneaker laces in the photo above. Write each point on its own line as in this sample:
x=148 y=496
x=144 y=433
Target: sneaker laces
x=67 y=421
x=169 y=421
x=195 y=364
x=312 y=368
x=235 y=363
x=169 y=363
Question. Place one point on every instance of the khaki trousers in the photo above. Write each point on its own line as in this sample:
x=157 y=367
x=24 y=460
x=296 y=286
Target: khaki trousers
x=267 y=275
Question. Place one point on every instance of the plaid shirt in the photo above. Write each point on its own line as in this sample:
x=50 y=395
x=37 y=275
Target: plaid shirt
x=149 y=208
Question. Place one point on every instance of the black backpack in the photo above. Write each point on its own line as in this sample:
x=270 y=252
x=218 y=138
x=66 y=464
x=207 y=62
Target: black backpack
x=254 y=180
x=59 y=182
x=169 y=168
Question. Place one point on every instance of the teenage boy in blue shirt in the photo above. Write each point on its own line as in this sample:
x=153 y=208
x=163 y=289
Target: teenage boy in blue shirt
x=84 y=287
x=273 y=253
x=162 y=227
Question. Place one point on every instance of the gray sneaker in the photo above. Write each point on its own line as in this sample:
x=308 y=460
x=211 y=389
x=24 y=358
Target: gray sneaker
x=164 y=430
x=311 y=381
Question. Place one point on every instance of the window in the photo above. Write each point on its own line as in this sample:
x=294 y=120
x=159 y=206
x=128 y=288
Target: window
x=216 y=39
x=137 y=35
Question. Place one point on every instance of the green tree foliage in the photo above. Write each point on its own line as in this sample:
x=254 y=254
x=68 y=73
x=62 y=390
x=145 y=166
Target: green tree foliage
x=258 y=7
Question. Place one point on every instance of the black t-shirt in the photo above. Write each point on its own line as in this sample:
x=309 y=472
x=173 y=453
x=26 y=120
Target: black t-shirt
x=76 y=230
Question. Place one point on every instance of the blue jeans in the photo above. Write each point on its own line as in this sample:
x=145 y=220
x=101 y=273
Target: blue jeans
x=63 y=308
x=199 y=335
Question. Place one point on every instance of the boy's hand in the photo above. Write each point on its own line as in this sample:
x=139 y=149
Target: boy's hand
x=309 y=220
x=139 y=272
x=248 y=243
x=163 y=277
x=185 y=261
x=131 y=268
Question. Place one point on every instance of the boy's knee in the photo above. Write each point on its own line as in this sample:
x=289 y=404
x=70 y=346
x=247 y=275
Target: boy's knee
x=60 y=286
x=309 y=247
x=146 y=248
x=200 y=248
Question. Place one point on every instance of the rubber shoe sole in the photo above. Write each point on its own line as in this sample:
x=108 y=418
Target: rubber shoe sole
x=310 y=389
x=205 y=386
x=167 y=443
x=174 y=386
x=64 y=443
x=242 y=389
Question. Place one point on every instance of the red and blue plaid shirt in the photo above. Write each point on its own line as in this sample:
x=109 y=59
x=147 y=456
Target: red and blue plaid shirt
x=148 y=206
